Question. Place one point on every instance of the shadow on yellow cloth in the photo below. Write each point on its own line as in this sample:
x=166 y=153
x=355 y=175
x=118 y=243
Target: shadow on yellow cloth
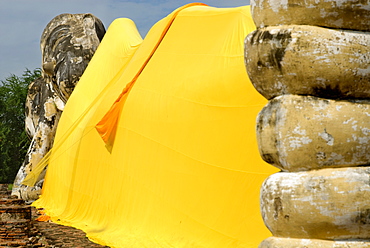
x=184 y=170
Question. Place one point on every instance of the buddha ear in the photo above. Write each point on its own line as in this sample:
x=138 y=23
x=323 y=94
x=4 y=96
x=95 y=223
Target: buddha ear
x=48 y=67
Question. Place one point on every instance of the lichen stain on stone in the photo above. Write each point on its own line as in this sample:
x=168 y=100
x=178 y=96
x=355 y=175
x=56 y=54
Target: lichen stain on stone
x=297 y=142
x=329 y=91
x=318 y=200
x=327 y=137
x=278 y=40
x=363 y=217
x=300 y=139
x=315 y=184
x=333 y=159
x=50 y=109
x=278 y=207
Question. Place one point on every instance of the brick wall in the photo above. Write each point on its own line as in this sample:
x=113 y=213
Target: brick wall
x=15 y=220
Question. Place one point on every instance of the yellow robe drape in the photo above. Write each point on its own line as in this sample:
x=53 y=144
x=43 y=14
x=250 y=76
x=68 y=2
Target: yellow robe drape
x=184 y=169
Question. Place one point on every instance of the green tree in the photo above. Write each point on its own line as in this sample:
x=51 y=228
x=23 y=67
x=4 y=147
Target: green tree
x=14 y=141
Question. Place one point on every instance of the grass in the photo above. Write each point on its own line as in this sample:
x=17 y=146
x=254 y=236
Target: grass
x=10 y=186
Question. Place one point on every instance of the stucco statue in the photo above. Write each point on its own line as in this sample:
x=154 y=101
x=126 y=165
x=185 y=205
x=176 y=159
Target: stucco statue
x=67 y=44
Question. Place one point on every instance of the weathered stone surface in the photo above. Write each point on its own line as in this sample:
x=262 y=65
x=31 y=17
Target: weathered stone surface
x=320 y=204
x=276 y=242
x=299 y=133
x=344 y=14
x=308 y=60
x=67 y=44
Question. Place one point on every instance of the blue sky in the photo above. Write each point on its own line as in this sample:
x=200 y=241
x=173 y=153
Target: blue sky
x=22 y=23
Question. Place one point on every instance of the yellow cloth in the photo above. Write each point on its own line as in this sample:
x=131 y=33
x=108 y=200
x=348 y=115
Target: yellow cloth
x=107 y=127
x=184 y=169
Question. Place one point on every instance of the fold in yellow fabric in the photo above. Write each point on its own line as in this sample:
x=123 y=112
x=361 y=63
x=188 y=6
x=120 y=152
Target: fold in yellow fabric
x=184 y=170
x=107 y=126
x=112 y=58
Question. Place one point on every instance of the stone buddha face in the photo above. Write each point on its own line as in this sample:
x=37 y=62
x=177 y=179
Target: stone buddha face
x=67 y=45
